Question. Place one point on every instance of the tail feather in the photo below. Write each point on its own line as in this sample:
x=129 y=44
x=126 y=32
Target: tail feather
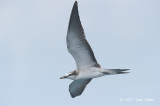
x=115 y=71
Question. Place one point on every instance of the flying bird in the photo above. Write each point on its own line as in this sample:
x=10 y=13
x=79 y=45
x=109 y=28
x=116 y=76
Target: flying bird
x=79 y=48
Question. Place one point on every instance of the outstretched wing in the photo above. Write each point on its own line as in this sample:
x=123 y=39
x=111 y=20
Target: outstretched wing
x=77 y=44
x=77 y=87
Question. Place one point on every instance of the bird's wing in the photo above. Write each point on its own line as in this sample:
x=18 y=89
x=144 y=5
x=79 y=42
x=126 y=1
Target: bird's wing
x=77 y=87
x=77 y=44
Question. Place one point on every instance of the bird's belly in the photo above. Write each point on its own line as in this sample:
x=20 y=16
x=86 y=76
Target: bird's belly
x=90 y=74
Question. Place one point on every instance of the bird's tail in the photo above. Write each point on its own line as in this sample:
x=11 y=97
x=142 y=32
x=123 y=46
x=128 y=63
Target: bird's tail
x=115 y=71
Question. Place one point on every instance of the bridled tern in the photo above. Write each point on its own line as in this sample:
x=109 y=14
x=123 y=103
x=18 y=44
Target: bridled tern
x=79 y=48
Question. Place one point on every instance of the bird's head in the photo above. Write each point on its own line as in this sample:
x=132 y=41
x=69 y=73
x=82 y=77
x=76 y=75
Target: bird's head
x=70 y=75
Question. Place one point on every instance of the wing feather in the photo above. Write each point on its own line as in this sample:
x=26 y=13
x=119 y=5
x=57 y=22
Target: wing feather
x=77 y=87
x=77 y=44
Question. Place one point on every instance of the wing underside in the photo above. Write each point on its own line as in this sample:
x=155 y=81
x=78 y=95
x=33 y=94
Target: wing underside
x=77 y=44
x=77 y=87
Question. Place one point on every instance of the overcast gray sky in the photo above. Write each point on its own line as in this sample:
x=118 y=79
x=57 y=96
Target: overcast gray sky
x=33 y=52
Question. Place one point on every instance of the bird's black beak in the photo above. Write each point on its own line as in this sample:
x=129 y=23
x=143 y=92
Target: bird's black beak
x=63 y=77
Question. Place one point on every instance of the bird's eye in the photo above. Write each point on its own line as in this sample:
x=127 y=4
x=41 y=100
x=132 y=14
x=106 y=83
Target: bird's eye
x=70 y=74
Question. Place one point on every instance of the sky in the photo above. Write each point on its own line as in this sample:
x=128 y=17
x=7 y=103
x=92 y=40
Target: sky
x=33 y=52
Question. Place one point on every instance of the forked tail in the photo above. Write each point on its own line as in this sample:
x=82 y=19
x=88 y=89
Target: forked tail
x=115 y=71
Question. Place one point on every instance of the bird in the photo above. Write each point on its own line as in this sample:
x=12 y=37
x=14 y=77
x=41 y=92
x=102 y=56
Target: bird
x=87 y=65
